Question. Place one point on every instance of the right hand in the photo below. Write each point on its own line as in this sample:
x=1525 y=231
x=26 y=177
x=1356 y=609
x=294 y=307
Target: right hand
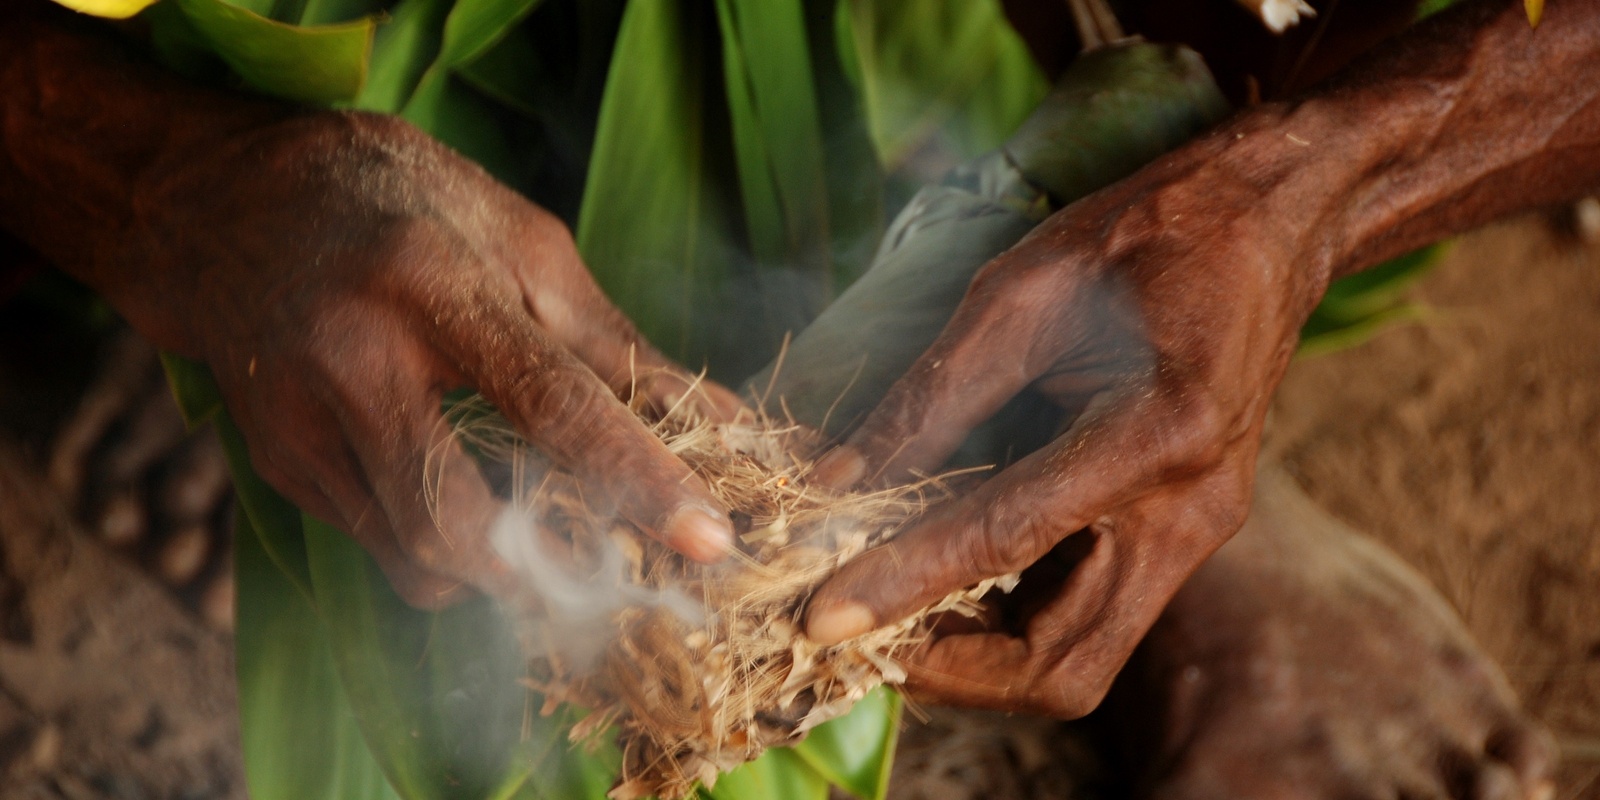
x=339 y=272
x=1159 y=313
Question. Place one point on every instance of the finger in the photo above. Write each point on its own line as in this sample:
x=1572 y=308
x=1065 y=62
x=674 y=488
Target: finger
x=562 y=408
x=305 y=457
x=1006 y=524
x=1077 y=642
x=567 y=303
x=1529 y=750
x=990 y=350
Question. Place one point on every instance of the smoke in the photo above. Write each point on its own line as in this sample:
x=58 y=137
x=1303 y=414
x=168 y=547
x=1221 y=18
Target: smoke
x=577 y=603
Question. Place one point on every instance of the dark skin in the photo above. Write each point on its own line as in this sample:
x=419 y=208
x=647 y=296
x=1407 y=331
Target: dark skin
x=1210 y=260
x=335 y=240
x=333 y=333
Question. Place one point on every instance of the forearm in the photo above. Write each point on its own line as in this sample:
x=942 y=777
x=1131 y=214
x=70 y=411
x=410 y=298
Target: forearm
x=86 y=129
x=1471 y=116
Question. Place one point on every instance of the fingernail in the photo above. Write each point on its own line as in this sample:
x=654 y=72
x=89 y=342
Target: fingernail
x=836 y=623
x=840 y=469
x=699 y=535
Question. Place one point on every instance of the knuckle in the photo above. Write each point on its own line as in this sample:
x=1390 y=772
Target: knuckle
x=1196 y=435
x=552 y=401
x=1010 y=536
x=1230 y=506
x=1007 y=289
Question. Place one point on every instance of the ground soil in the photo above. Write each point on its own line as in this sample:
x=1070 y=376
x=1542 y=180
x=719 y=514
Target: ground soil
x=1470 y=444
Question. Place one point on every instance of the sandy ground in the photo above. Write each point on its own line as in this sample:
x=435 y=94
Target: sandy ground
x=1470 y=444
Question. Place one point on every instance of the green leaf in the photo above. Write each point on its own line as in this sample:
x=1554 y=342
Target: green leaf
x=322 y=64
x=1372 y=290
x=777 y=135
x=1358 y=307
x=779 y=774
x=299 y=735
x=193 y=387
x=1322 y=335
x=448 y=112
x=476 y=25
x=947 y=73
x=438 y=694
x=327 y=12
x=402 y=51
x=343 y=686
x=856 y=751
x=653 y=222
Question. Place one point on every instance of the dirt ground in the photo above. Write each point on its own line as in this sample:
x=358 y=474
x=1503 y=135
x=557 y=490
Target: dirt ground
x=1470 y=444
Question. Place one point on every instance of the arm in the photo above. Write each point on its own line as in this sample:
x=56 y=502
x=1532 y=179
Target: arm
x=338 y=272
x=1161 y=314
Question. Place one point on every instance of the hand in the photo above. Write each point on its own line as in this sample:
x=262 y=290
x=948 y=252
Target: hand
x=339 y=273
x=1160 y=314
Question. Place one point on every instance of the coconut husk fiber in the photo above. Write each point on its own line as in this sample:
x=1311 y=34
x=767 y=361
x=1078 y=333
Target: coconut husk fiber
x=702 y=668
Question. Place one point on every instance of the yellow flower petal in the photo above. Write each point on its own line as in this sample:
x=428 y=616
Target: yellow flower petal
x=114 y=9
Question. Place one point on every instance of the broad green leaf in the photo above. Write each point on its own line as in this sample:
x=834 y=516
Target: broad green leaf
x=111 y=9
x=322 y=64
x=779 y=774
x=327 y=12
x=776 y=132
x=299 y=735
x=446 y=110
x=511 y=73
x=856 y=751
x=345 y=682
x=653 y=224
x=402 y=50
x=950 y=74
x=438 y=694
x=476 y=25
x=181 y=47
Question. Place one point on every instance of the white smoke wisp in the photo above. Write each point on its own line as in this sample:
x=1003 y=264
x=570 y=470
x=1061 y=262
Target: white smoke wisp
x=578 y=605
